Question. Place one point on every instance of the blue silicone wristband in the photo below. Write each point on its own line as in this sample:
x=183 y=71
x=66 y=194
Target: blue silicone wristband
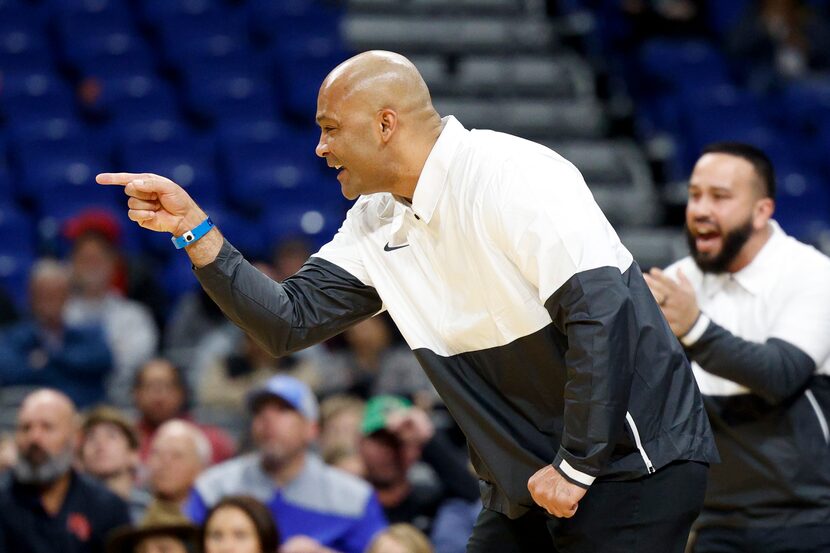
x=192 y=235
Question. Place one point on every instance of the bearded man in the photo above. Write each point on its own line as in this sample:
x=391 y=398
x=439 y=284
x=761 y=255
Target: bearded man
x=751 y=306
x=45 y=505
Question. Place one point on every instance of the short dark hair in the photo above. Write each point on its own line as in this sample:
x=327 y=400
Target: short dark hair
x=759 y=160
x=266 y=528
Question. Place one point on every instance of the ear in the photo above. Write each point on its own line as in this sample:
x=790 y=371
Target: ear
x=387 y=123
x=764 y=208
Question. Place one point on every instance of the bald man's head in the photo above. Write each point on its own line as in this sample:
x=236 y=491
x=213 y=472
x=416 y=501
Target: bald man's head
x=45 y=436
x=378 y=123
x=382 y=80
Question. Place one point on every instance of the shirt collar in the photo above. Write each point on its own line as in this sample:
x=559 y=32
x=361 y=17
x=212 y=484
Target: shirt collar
x=433 y=177
x=753 y=277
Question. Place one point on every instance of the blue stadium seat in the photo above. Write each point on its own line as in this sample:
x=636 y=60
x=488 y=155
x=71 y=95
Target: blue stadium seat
x=33 y=82
x=721 y=113
x=177 y=276
x=134 y=96
x=269 y=19
x=155 y=11
x=62 y=8
x=52 y=165
x=802 y=203
x=14 y=277
x=157 y=129
x=686 y=64
x=190 y=163
x=203 y=37
x=47 y=103
x=725 y=16
x=233 y=132
x=17 y=236
x=59 y=129
x=88 y=51
x=311 y=221
x=299 y=84
x=230 y=89
x=23 y=45
x=246 y=234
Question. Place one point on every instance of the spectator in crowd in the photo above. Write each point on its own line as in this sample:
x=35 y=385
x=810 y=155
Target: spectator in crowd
x=400 y=538
x=340 y=420
x=780 y=38
x=160 y=394
x=751 y=306
x=45 y=505
x=109 y=452
x=162 y=530
x=135 y=276
x=179 y=452
x=44 y=350
x=197 y=329
x=239 y=524
x=129 y=326
x=396 y=436
x=298 y=488
x=373 y=365
x=224 y=383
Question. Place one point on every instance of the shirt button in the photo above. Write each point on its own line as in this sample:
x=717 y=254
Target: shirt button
x=416 y=216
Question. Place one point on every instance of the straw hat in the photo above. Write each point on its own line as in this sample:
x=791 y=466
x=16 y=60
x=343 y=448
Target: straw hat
x=161 y=519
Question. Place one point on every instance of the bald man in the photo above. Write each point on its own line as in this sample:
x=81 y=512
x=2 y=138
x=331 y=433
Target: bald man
x=527 y=313
x=45 y=506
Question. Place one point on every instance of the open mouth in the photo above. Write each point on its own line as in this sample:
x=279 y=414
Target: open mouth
x=707 y=241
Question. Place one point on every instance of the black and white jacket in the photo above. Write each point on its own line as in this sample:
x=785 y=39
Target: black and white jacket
x=521 y=304
x=761 y=356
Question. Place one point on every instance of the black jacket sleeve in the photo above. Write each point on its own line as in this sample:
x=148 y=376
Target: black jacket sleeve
x=774 y=370
x=594 y=310
x=313 y=305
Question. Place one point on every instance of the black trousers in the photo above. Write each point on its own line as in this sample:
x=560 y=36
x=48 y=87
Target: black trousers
x=794 y=539
x=652 y=514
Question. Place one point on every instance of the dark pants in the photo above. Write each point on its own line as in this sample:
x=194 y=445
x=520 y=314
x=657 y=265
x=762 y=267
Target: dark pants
x=652 y=514
x=795 y=539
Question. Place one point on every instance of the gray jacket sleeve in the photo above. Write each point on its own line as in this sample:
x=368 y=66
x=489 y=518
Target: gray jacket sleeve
x=313 y=305
x=775 y=370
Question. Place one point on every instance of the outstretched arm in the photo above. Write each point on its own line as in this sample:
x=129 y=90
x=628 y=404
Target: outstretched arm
x=321 y=300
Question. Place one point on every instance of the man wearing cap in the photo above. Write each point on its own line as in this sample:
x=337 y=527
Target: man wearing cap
x=109 y=452
x=396 y=436
x=316 y=507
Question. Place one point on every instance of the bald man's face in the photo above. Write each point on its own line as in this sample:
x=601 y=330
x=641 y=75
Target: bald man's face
x=350 y=141
x=45 y=438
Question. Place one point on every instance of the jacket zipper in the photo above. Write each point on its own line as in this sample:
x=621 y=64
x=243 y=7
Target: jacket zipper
x=822 y=421
x=637 y=441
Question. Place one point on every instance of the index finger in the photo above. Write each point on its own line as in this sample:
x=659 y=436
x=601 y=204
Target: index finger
x=121 y=179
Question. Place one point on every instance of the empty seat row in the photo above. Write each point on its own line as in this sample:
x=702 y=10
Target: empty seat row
x=450 y=34
x=564 y=75
x=530 y=118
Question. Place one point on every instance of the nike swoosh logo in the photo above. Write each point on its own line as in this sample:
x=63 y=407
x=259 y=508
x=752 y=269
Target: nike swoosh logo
x=388 y=248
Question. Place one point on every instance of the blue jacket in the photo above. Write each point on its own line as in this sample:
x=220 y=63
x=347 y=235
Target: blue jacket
x=78 y=367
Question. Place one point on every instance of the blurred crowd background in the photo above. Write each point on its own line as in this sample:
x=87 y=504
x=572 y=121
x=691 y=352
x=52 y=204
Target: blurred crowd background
x=220 y=96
